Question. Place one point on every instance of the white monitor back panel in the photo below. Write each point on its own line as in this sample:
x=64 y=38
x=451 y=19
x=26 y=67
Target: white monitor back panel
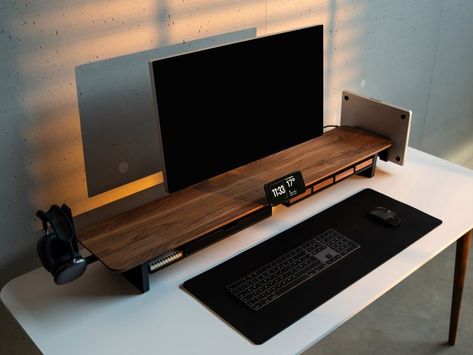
x=119 y=129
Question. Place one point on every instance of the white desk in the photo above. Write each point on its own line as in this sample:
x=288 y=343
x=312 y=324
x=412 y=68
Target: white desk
x=101 y=313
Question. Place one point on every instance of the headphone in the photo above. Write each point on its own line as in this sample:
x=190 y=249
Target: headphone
x=58 y=250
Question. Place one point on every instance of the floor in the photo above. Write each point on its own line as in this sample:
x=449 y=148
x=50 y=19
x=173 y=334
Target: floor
x=410 y=319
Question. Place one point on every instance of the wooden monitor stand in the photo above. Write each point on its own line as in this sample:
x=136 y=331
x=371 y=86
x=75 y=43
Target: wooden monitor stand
x=183 y=222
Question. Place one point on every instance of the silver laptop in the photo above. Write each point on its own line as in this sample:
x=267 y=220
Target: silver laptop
x=378 y=117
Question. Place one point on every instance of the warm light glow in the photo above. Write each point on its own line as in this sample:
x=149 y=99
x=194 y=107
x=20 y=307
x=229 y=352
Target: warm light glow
x=73 y=192
x=117 y=193
x=79 y=17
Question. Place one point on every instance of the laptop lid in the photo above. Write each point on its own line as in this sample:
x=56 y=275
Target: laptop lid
x=380 y=118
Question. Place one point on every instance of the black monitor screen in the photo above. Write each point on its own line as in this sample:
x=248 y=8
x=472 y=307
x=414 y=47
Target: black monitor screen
x=224 y=107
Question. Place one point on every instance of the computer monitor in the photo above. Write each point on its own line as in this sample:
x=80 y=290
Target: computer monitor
x=226 y=106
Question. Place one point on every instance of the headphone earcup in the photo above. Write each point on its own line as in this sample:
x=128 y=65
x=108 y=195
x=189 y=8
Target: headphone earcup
x=43 y=248
x=70 y=271
x=52 y=252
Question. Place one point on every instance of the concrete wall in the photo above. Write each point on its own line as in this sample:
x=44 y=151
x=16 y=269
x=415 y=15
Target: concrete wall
x=415 y=54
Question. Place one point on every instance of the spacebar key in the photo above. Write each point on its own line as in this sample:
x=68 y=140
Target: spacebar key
x=290 y=285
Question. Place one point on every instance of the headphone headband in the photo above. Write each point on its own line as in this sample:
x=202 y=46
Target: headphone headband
x=60 y=220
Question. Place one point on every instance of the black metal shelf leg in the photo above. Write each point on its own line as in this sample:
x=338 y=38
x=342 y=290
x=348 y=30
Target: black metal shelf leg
x=139 y=277
x=369 y=172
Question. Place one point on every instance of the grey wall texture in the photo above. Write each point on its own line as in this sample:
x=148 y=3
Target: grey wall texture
x=411 y=53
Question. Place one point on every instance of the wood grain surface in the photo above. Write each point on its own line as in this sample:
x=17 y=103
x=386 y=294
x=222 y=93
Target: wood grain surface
x=141 y=234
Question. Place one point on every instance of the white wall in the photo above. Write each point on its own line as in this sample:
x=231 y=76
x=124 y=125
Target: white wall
x=413 y=53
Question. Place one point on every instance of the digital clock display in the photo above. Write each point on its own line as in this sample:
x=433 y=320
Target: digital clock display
x=284 y=188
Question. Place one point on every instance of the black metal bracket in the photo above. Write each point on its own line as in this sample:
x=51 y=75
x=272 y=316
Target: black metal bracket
x=369 y=171
x=91 y=259
x=139 y=277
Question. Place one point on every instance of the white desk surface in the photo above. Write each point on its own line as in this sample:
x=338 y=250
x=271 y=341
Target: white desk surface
x=101 y=313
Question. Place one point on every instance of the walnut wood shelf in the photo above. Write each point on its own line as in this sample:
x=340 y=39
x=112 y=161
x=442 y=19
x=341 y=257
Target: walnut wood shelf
x=134 y=238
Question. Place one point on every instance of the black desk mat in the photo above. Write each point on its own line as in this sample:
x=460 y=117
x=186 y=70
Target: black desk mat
x=378 y=241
